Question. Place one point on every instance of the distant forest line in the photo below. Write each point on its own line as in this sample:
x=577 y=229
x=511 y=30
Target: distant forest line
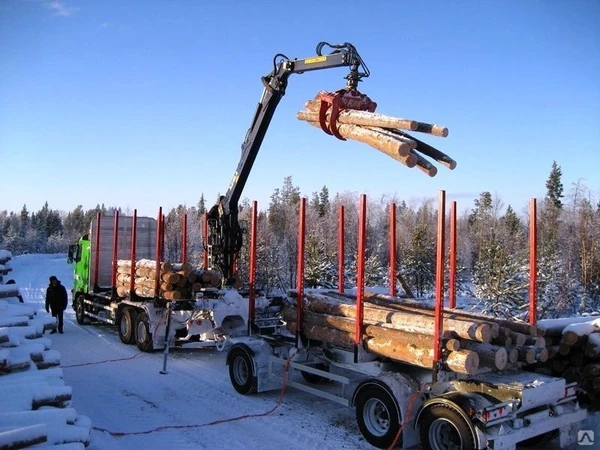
x=493 y=246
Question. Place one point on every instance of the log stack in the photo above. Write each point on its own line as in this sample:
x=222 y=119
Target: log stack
x=176 y=280
x=35 y=406
x=403 y=330
x=574 y=350
x=385 y=133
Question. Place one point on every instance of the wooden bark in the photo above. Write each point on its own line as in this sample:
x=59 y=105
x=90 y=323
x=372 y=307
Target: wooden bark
x=400 y=151
x=527 y=354
x=9 y=292
x=492 y=356
x=349 y=326
x=519 y=339
x=424 y=165
x=502 y=340
x=408 y=305
x=513 y=355
x=355 y=117
x=430 y=151
x=405 y=321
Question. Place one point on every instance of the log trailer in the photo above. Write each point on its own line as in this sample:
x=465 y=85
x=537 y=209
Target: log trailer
x=396 y=403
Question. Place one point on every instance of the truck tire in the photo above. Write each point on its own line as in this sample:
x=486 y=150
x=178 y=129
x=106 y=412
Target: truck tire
x=377 y=416
x=240 y=372
x=79 y=310
x=442 y=427
x=143 y=336
x=126 y=321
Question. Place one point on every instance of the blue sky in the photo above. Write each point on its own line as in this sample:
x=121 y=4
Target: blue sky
x=146 y=104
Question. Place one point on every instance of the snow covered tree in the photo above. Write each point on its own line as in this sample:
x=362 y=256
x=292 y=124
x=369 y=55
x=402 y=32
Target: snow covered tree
x=500 y=281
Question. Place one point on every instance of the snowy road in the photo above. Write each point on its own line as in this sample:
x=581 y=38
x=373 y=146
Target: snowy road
x=130 y=396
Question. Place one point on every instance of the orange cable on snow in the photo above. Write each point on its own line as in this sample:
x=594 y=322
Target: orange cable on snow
x=215 y=422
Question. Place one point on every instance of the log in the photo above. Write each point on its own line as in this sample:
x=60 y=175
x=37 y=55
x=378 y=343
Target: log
x=541 y=354
x=502 y=340
x=354 y=117
x=513 y=355
x=400 y=151
x=519 y=339
x=564 y=349
x=492 y=356
x=151 y=264
x=8 y=292
x=591 y=370
x=425 y=166
x=411 y=143
x=349 y=326
x=430 y=151
x=569 y=338
x=463 y=361
x=326 y=335
x=401 y=320
x=527 y=354
x=22 y=437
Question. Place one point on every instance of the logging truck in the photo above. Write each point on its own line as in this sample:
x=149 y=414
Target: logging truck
x=449 y=404
x=148 y=302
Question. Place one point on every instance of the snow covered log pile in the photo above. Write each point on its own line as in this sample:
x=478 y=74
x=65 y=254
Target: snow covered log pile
x=35 y=406
x=574 y=347
x=176 y=280
x=5 y=257
x=403 y=330
x=384 y=133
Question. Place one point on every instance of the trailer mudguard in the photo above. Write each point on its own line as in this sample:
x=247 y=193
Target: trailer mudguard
x=463 y=403
x=259 y=352
x=401 y=388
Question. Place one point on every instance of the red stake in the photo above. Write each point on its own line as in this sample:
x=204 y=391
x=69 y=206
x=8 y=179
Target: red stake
x=300 y=268
x=162 y=238
x=439 y=284
x=97 y=255
x=158 y=250
x=452 y=287
x=205 y=241
x=113 y=278
x=393 y=249
x=341 y=250
x=533 y=262
x=252 y=277
x=132 y=257
x=184 y=240
x=360 y=273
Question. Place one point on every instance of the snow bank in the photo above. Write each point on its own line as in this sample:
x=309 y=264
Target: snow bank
x=35 y=406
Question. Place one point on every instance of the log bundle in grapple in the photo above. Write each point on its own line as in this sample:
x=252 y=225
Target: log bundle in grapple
x=385 y=133
x=403 y=330
x=175 y=280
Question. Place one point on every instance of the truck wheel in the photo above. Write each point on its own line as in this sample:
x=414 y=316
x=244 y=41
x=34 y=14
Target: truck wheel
x=314 y=378
x=143 y=336
x=377 y=416
x=126 y=325
x=444 y=428
x=240 y=372
x=79 y=310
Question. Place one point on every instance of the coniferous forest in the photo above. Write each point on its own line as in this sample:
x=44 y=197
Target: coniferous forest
x=493 y=249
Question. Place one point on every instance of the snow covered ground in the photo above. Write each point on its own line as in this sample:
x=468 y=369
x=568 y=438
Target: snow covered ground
x=131 y=405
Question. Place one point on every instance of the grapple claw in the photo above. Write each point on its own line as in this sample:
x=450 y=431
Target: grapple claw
x=338 y=101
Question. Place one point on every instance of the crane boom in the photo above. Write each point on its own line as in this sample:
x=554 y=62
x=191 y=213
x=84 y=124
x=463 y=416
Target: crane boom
x=225 y=234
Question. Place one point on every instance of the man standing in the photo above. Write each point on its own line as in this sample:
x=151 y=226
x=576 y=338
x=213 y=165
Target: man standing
x=56 y=300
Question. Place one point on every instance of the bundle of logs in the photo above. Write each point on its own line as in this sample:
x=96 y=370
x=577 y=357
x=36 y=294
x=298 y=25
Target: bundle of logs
x=403 y=330
x=175 y=280
x=574 y=349
x=385 y=133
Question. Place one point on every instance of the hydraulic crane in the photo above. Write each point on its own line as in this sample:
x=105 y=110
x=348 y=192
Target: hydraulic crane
x=225 y=234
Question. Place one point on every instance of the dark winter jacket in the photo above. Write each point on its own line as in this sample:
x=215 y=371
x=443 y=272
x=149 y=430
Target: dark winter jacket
x=56 y=298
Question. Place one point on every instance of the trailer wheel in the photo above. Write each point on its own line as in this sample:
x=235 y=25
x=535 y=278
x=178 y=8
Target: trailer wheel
x=79 y=310
x=443 y=428
x=240 y=372
x=126 y=321
x=377 y=416
x=143 y=336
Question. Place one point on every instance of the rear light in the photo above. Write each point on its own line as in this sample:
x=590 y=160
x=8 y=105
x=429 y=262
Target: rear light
x=570 y=390
x=495 y=412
